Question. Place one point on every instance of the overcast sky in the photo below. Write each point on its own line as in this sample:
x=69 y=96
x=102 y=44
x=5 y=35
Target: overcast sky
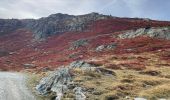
x=154 y=9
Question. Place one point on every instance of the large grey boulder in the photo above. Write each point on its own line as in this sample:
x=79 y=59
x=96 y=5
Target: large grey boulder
x=55 y=82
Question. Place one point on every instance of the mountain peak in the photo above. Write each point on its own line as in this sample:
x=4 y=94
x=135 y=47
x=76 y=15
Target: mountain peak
x=59 y=15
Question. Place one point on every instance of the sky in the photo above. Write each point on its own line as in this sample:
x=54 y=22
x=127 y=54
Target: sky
x=153 y=9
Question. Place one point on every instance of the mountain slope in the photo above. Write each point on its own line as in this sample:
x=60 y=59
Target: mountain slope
x=60 y=38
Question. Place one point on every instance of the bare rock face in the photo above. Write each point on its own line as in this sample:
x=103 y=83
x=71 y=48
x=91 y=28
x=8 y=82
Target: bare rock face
x=56 y=82
x=59 y=23
x=60 y=81
x=159 y=32
x=53 y=24
x=9 y=25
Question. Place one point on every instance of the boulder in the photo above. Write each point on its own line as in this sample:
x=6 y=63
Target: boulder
x=81 y=64
x=106 y=47
x=79 y=93
x=111 y=46
x=55 y=82
x=100 y=48
x=140 y=99
x=29 y=66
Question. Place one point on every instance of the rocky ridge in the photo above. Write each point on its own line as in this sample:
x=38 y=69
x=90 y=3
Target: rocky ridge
x=159 y=32
x=53 y=24
x=9 y=25
x=60 y=23
x=61 y=80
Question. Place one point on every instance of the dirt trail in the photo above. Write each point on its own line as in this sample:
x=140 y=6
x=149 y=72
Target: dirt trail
x=13 y=87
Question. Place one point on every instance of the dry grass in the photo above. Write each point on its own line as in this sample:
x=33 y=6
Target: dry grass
x=160 y=91
x=153 y=82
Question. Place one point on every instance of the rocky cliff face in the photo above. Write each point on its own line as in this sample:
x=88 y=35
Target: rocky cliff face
x=53 y=24
x=59 y=23
x=9 y=25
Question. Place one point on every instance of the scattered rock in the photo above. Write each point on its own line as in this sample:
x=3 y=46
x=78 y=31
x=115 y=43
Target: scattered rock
x=82 y=64
x=107 y=47
x=151 y=72
x=111 y=97
x=160 y=32
x=105 y=71
x=45 y=69
x=60 y=81
x=29 y=66
x=100 y=48
x=111 y=46
x=97 y=92
x=127 y=80
x=78 y=43
x=140 y=99
x=79 y=93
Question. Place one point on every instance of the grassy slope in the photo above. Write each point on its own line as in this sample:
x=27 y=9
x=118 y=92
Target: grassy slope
x=152 y=82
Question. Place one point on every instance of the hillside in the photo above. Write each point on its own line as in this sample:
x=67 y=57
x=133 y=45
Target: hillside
x=130 y=57
x=60 y=38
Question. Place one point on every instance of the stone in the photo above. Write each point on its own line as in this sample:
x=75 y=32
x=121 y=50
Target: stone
x=100 y=48
x=105 y=71
x=106 y=47
x=78 y=43
x=81 y=64
x=151 y=72
x=29 y=65
x=139 y=98
x=159 y=32
x=111 y=46
x=79 y=93
x=45 y=69
x=60 y=81
x=55 y=82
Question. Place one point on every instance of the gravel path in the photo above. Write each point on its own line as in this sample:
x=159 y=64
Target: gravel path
x=13 y=87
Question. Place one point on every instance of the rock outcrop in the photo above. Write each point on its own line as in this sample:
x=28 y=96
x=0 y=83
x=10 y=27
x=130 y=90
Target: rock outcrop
x=78 y=43
x=159 y=32
x=55 y=82
x=9 y=25
x=59 y=23
x=106 y=47
x=53 y=24
x=82 y=65
x=61 y=80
